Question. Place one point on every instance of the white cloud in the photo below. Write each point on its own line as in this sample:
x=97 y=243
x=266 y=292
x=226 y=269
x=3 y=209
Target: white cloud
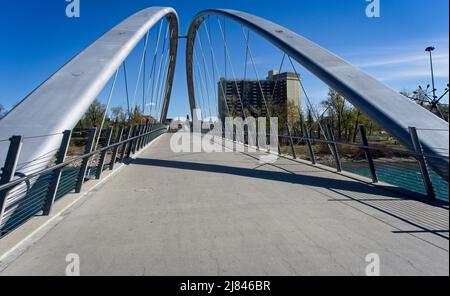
x=405 y=60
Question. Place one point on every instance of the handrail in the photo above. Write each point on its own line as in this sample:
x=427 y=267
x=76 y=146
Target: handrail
x=418 y=154
x=75 y=159
x=360 y=146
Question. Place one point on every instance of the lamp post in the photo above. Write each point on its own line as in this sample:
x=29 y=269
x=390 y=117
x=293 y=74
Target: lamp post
x=430 y=49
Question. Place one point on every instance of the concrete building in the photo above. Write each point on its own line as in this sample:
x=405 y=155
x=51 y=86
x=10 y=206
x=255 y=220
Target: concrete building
x=277 y=90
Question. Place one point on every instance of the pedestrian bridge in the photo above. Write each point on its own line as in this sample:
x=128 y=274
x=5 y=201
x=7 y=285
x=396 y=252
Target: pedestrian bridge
x=131 y=205
x=166 y=213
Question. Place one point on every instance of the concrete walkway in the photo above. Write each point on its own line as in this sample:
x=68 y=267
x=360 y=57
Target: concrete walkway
x=226 y=214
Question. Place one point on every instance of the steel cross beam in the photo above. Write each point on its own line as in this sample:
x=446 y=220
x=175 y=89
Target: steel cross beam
x=391 y=110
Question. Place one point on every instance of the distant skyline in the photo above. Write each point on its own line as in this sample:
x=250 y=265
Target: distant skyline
x=37 y=38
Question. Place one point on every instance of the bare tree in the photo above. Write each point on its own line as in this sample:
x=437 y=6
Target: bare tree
x=2 y=111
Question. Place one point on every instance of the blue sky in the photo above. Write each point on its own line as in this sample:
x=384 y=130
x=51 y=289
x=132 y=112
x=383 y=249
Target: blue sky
x=37 y=38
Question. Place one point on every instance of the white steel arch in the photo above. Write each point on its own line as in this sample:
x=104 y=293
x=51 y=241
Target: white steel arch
x=60 y=102
x=391 y=110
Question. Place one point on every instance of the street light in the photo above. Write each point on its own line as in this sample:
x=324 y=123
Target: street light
x=430 y=49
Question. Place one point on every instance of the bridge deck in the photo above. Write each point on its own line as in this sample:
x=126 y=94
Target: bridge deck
x=226 y=214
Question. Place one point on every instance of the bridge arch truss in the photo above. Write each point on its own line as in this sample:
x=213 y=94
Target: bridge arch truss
x=391 y=110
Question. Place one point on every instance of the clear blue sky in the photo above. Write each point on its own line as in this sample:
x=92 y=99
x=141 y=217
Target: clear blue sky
x=37 y=38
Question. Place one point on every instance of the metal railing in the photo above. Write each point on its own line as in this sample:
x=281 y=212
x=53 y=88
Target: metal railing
x=403 y=168
x=24 y=196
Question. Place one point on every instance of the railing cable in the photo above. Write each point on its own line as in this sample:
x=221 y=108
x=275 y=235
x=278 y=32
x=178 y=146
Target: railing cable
x=111 y=92
x=215 y=67
x=203 y=84
x=161 y=66
x=207 y=74
x=310 y=106
x=140 y=68
x=153 y=73
x=227 y=55
x=126 y=89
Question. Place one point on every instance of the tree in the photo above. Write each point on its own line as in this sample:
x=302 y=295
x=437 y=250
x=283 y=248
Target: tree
x=136 y=116
x=118 y=115
x=355 y=130
x=293 y=114
x=344 y=118
x=423 y=97
x=94 y=114
x=336 y=106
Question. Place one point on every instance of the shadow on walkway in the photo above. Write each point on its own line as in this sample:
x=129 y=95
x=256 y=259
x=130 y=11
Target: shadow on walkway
x=286 y=176
x=417 y=214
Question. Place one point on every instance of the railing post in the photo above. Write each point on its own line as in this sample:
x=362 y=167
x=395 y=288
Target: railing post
x=368 y=153
x=141 y=132
x=85 y=162
x=60 y=158
x=279 y=146
x=135 y=141
x=148 y=137
x=133 y=133
x=291 y=142
x=125 y=145
x=245 y=130
x=144 y=135
x=151 y=134
x=139 y=139
x=9 y=169
x=257 y=136
x=116 y=149
x=149 y=129
x=101 y=161
x=422 y=163
x=333 y=148
x=138 y=133
x=144 y=139
x=312 y=156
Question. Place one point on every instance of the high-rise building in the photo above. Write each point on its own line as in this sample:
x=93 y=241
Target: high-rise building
x=243 y=98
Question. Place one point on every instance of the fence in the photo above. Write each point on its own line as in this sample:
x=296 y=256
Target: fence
x=415 y=171
x=22 y=197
